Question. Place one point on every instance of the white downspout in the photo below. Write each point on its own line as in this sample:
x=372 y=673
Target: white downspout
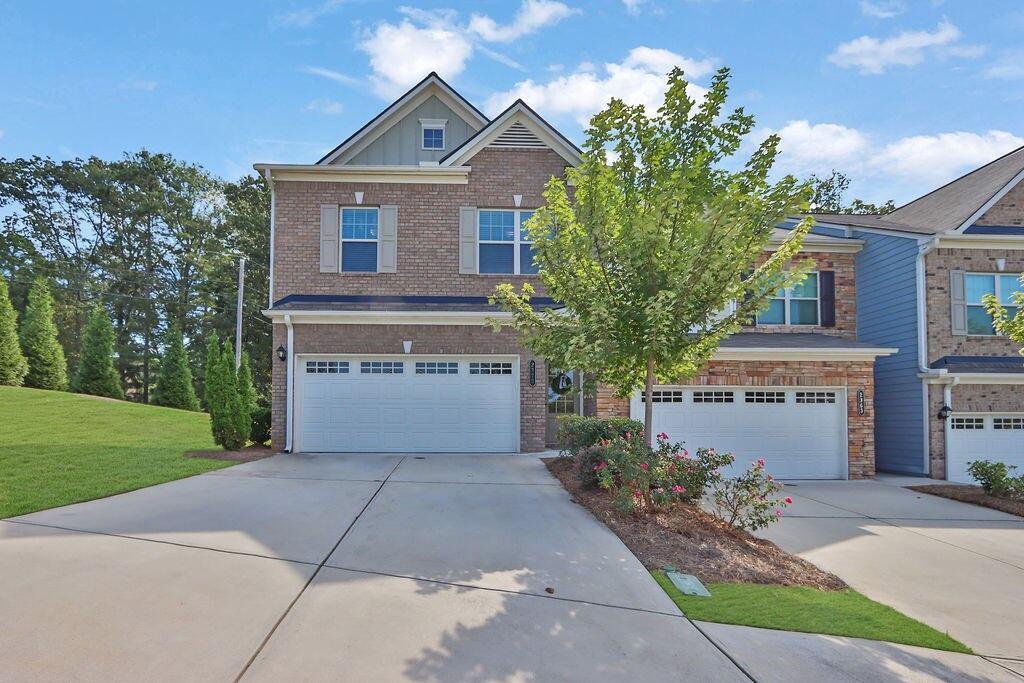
x=947 y=400
x=289 y=402
x=922 y=343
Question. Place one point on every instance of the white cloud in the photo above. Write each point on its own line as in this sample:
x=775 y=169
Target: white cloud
x=1009 y=67
x=402 y=53
x=325 y=106
x=633 y=6
x=532 y=16
x=330 y=74
x=301 y=18
x=638 y=79
x=810 y=148
x=938 y=158
x=140 y=84
x=882 y=9
x=873 y=55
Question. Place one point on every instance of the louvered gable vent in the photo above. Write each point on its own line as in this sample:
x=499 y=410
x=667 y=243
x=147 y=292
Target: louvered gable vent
x=518 y=135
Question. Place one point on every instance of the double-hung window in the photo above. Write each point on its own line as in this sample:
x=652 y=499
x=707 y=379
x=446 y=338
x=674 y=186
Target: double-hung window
x=504 y=245
x=359 y=240
x=796 y=305
x=976 y=286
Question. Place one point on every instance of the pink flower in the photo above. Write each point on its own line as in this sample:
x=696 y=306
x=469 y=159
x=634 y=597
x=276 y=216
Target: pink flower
x=600 y=466
x=644 y=466
x=789 y=500
x=678 y=489
x=663 y=436
x=778 y=513
x=760 y=462
x=629 y=435
x=637 y=495
x=659 y=490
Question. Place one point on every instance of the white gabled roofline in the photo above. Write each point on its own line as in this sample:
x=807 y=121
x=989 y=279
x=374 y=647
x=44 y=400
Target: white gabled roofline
x=521 y=113
x=431 y=85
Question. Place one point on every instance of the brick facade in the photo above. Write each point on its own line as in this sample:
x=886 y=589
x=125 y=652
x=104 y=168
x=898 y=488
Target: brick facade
x=426 y=339
x=428 y=227
x=942 y=342
x=846 y=297
x=853 y=375
x=1007 y=211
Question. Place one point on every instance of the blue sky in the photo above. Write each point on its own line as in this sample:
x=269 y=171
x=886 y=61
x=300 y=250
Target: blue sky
x=901 y=95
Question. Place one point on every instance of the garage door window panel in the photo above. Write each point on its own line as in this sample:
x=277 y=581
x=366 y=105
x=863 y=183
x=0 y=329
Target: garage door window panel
x=381 y=367
x=765 y=396
x=437 y=368
x=1015 y=423
x=713 y=397
x=324 y=367
x=490 y=368
x=968 y=423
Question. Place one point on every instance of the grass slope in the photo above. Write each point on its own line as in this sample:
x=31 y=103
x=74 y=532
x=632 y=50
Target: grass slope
x=807 y=610
x=58 y=448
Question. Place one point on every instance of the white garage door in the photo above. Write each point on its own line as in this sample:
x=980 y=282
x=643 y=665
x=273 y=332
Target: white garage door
x=407 y=403
x=984 y=436
x=800 y=433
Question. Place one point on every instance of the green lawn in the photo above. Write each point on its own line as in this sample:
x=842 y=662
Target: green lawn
x=795 y=608
x=58 y=448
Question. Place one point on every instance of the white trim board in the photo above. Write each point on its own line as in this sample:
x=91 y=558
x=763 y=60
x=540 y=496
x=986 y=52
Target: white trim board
x=517 y=113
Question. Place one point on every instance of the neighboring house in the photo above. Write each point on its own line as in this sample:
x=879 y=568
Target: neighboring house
x=955 y=391
x=384 y=252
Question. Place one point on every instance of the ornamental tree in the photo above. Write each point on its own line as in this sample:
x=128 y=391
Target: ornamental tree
x=222 y=399
x=658 y=250
x=96 y=374
x=47 y=368
x=13 y=365
x=1005 y=324
x=174 y=384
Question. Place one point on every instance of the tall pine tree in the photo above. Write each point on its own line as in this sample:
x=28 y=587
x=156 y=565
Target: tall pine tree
x=95 y=373
x=13 y=365
x=47 y=368
x=174 y=384
x=222 y=399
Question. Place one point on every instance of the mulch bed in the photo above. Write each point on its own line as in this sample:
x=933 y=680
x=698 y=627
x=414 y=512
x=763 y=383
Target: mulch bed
x=966 y=493
x=694 y=542
x=245 y=455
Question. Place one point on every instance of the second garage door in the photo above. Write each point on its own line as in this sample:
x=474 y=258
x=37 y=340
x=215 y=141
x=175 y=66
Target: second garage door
x=801 y=434
x=407 y=404
x=984 y=436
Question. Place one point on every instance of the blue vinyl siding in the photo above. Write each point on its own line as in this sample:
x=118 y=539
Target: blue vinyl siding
x=887 y=316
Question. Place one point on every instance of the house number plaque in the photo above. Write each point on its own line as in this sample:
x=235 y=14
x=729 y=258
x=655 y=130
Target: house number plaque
x=860 y=401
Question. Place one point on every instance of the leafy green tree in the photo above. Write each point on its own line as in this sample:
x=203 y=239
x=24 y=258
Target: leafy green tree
x=246 y=397
x=828 y=195
x=174 y=384
x=222 y=399
x=1005 y=324
x=13 y=365
x=95 y=373
x=47 y=368
x=658 y=254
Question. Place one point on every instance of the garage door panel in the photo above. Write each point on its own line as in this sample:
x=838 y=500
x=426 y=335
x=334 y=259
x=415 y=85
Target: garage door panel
x=436 y=410
x=797 y=440
x=984 y=436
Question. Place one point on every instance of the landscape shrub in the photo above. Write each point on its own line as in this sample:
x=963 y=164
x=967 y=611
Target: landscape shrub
x=13 y=365
x=47 y=368
x=96 y=374
x=996 y=479
x=577 y=433
x=642 y=478
x=749 y=501
x=174 y=383
x=261 y=418
x=222 y=399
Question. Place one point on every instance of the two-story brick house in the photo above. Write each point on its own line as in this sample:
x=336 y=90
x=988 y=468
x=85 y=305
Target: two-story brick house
x=955 y=391
x=384 y=252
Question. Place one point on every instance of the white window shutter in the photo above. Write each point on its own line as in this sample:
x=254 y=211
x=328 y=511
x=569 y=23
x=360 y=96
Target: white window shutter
x=329 y=237
x=958 y=302
x=467 y=240
x=387 y=240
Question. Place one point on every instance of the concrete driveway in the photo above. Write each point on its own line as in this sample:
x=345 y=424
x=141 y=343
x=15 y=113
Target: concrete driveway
x=377 y=567
x=954 y=566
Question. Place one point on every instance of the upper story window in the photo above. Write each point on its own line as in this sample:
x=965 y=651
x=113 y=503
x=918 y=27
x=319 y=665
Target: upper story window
x=976 y=286
x=433 y=134
x=796 y=305
x=504 y=246
x=359 y=240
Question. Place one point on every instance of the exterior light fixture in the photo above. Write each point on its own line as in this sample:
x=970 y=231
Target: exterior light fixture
x=282 y=354
x=945 y=412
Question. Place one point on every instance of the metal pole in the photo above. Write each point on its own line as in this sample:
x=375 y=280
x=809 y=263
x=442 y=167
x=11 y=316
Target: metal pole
x=238 y=313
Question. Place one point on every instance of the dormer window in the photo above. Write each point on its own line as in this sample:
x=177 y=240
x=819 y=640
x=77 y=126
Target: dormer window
x=433 y=134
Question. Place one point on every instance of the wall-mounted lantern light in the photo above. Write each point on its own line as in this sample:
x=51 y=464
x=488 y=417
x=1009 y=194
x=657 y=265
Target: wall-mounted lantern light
x=282 y=354
x=945 y=412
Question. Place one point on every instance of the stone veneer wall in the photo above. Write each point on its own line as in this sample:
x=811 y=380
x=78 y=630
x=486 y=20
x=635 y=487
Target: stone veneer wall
x=426 y=339
x=853 y=375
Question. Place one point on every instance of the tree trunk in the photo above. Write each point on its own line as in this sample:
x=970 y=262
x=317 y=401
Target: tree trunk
x=648 y=403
